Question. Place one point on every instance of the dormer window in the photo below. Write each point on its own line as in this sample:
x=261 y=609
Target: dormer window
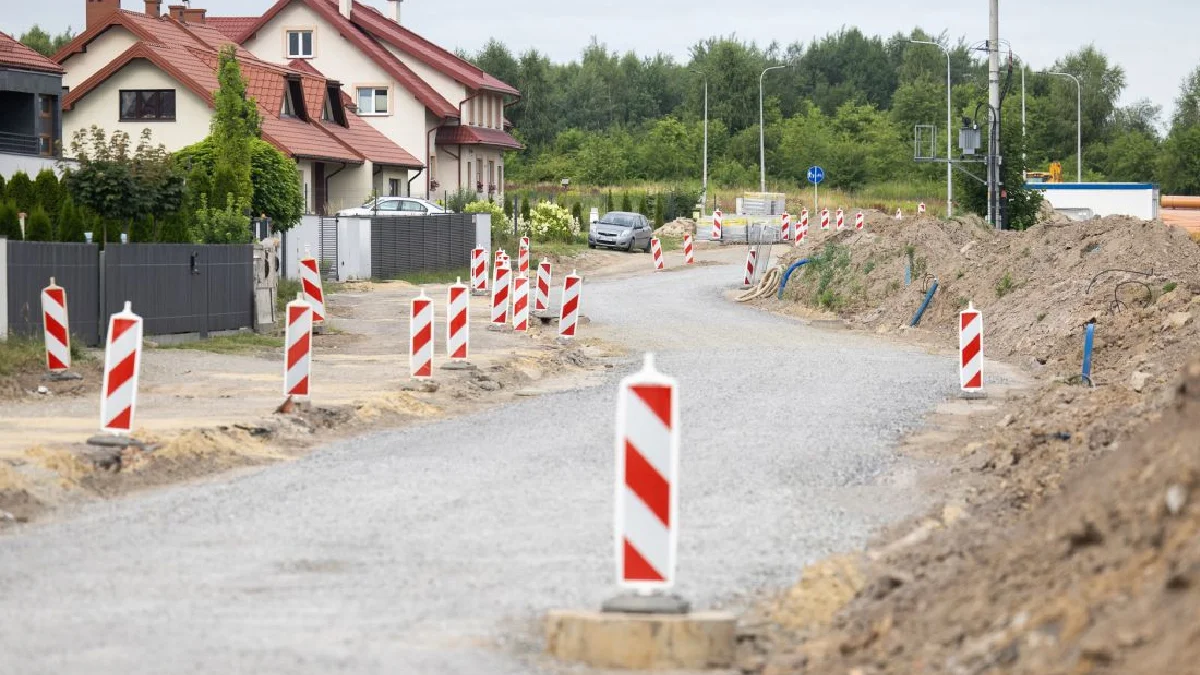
x=293 y=100
x=372 y=100
x=334 y=111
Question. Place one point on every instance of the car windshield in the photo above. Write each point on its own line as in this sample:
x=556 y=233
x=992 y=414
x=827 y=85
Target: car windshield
x=620 y=219
x=370 y=204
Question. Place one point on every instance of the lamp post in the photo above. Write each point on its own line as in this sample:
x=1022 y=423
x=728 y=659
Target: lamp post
x=705 y=183
x=949 y=127
x=1078 y=123
x=762 y=143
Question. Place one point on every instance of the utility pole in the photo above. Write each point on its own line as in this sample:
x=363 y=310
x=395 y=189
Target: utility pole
x=994 y=113
x=949 y=129
x=704 y=191
x=762 y=145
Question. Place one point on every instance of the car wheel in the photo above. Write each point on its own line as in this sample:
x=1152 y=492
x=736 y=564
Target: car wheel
x=630 y=246
x=590 y=245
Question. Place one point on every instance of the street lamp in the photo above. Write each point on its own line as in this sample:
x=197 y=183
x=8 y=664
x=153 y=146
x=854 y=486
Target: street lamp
x=1078 y=123
x=949 y=123
x=762 y=144
x=705 y=184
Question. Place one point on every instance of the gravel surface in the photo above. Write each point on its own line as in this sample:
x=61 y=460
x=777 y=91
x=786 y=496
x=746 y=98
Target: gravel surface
x=434 y=549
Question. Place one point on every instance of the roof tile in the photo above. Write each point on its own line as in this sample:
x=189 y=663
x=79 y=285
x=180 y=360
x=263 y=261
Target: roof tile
x=465 y=135
x=13 y=54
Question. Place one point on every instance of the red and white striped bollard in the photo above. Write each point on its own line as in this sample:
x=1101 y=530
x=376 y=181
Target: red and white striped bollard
x=970 y=346
x=500 y=292
x=921 y=209
x=541 y=298
x=785 y=227
x=458 y=323
x=523 y=258
x=841 y=219
x=860 y=220
x=647 y=494
x=56 y=326
x=310 y=281
x=824 y=219
x=899 y=214
x=521 y=304
x=122 y=366
x=689 y=254
x=716 y=231
x=297 y=353
x=420 y=331
x=656 y=252
x=568 y=317
x=479 y=270
x=751 y=265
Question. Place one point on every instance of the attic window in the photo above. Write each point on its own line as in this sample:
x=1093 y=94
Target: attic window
x=293 y=100
x=334 y=110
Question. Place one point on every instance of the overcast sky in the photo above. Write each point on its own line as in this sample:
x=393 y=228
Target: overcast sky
x=1156 y=41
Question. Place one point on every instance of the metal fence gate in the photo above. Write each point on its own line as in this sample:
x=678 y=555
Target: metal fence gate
x=327 y=245
x=421 y=243
x=75 y=267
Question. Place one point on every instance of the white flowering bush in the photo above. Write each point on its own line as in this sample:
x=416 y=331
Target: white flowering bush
x=551 y=222
x=501 y=225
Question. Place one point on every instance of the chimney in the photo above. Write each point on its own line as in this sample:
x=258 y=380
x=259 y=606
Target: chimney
x=344 y=7
x=394 y=6
x=194 y=15
x=153 y=8
x=98 y=10
x=175 y=12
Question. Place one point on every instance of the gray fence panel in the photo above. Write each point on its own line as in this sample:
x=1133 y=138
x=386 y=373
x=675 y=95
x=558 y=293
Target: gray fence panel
x=421 y=243
x=181 y=288
x=75 y=267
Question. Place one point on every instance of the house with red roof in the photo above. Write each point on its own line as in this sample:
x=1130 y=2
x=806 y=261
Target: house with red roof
x=148 y=70
x=30 y=124
x=425 y=98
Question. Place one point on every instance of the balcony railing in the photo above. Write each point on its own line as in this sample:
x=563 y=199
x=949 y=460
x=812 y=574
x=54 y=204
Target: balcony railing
x=19 y=144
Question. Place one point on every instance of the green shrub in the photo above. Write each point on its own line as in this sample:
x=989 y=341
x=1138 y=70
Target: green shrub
x=501 y=225
x=2 y=188
x=551 y=222
x=46 y=192
x=1005 y=285
x=1170 y=286
x=20 y=192
x=525 y=209
x=222 y=226
x=10 y=222
x=70 y=222
x=626 y=203
x=38 y=226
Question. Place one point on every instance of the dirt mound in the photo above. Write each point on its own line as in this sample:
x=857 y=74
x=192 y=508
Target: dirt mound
x=1104 y=578
x=677 y=228
x=1137 y=280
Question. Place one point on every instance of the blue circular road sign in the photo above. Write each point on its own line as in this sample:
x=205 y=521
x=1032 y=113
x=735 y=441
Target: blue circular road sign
x=816 y=174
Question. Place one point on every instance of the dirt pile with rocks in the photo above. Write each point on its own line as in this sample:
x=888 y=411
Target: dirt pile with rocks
x=677 y=228
x=1070 y=545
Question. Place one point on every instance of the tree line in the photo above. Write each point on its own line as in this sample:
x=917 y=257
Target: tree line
x=848 y=102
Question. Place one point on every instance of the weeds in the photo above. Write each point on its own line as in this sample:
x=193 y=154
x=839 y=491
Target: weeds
x=238 y=343
x=962 y=302
x=1005 y=285
x=286 y=292
x=826 y=267
x=1170 y=286
x=21 y=354
x=429 y=277
x=869 y=267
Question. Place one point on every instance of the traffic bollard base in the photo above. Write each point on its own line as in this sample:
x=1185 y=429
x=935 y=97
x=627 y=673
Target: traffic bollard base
x=655 y=603
x=64 y=376
x=698 y=641
x=458 y=365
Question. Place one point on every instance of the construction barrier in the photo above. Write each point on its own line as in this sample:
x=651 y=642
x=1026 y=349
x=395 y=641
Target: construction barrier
x=500 y=283
x=689 y=255
x=860 y=220
x=647 y=496
x=122 y=365
x=921 y=209
x=970 y=347
x=498 y=257
x=785 y=229
x=420 y=331
x=656 y=252
x=899 y=214
x=310 y=281
x=802 y=229
x=841 y=219
x=751 y=266
x=521 y=304
x=458 y=323
x=824 y=219
x=716 y=231
x=803 y=220
x=57 y=328
x=568 y=318
x=297 y=355
x=541 y=299
x=523 y=258
x=479 y=270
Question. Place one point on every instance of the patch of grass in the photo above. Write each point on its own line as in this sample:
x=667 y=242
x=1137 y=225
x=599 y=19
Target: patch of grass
x=828 y=266
x=425 y=277
x=238 y=343
x=869 y=267
x=21 y=354
x=562 y=250
x=960 y=274
x=962 y=302
x=1170 y=286
x=893 y=287
x=1005 y=285
x=1041 y=317
x=285 y=293
x=1026 y=252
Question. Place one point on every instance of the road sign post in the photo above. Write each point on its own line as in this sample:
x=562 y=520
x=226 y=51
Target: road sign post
x=815 y=175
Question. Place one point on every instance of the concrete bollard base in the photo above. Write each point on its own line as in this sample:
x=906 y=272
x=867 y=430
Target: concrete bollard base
x=696 y=641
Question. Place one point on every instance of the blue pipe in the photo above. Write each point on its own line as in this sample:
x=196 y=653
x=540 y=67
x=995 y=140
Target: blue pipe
x=1089 y=337
x=788 y=274
x=907 y=274
x=924 y=305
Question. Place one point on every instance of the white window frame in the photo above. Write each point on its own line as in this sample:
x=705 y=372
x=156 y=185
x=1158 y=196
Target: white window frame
x=375 y=93
x=299 y=54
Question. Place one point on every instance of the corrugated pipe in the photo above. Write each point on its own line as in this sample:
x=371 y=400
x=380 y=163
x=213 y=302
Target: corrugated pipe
x=788 y=275
x=924 y=305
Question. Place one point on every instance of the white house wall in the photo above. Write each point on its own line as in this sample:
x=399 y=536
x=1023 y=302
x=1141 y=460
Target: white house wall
x=339 y=59
x=99 y=53
x=450 y=89
x=349 y=187
x=102 y=107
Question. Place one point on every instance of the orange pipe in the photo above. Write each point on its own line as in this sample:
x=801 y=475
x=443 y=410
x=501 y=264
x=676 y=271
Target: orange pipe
x=1181 y=203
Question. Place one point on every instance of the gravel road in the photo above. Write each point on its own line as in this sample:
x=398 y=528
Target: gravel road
x=434 y=549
